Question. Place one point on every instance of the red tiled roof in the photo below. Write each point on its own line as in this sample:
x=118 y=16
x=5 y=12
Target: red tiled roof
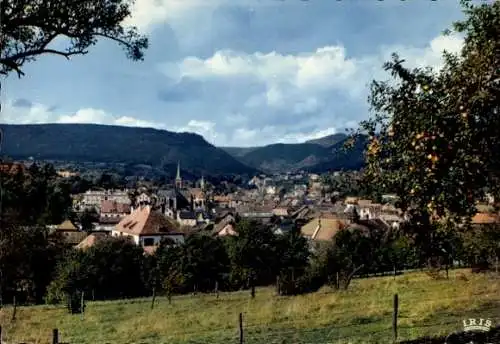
x=12 y=168
x=144 y=221
x=485 y=218
x=109 y=220
x=91 y=240
x=113 y=207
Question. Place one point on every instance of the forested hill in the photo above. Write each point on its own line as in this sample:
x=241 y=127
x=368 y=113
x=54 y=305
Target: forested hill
x=117 y=144
x=321 y=155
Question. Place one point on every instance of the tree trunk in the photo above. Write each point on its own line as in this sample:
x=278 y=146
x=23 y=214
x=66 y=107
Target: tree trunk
x=351 y=275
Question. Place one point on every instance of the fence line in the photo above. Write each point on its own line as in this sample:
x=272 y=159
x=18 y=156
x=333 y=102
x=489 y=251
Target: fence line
x=243 y=328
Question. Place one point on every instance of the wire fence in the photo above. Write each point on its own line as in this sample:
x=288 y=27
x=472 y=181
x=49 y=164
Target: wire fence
x=393 y=321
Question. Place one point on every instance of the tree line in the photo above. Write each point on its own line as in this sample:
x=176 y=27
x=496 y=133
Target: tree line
x=256 y=256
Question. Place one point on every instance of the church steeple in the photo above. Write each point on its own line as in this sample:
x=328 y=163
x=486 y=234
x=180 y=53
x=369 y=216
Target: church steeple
x=202 y=183
x=178 y=179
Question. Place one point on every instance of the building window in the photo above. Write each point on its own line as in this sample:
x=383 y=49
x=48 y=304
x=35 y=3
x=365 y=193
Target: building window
x=149 y=242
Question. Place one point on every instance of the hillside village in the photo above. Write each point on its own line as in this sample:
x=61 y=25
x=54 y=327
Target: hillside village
x=285 y=201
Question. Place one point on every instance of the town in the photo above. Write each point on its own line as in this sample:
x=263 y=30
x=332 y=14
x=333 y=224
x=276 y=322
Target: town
x=286 y=201
x=249 y=172
x=296 y=232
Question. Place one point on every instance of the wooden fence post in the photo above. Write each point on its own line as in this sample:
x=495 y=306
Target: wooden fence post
x=395 y=317
x=154 y=297
x=278 y=285
x=15 y=309
x=82 y=303
x=241 y=328
x=55 y=336
x=217 y=289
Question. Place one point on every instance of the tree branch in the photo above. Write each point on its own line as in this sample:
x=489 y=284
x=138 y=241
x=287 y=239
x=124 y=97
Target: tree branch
x=10 y=62
x=30 y=53
x=350 y=276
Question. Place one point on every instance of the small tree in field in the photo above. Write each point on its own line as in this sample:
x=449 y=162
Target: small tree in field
x=30 y=27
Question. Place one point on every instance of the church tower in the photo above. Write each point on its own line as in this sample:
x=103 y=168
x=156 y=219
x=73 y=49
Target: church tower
x=178 y=179
x=202 y=183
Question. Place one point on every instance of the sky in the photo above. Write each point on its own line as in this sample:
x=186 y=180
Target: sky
x=238 y=72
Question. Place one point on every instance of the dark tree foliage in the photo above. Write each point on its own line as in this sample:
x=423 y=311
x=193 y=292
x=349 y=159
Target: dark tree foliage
x=37 y=196
x=113 y=268
x=169 y=270
x=27 y=262
x=254 y=253
x=293 y=253
x=481 y=245
x=204 y=261
x=87 y=219
x=30 y=27
x=351 y=252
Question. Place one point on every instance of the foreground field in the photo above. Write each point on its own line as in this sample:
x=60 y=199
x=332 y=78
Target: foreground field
x=359 y=315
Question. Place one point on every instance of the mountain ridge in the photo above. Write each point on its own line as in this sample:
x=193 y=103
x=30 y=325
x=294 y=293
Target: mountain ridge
x=111 y=144
x=164 y=149
x=317 y=155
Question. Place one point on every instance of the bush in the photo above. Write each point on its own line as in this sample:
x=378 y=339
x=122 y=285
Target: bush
x=309 y=282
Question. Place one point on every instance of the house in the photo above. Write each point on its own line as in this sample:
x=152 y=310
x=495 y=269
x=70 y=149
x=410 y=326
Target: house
x=281 y=211
x=225 y=228
x=68 y=233
x=485 y=219
x=67 y=226
x=143 y=199
x=322 y=228
x=12 y=168
x=147 y=228
x=172 y=200
x=198 y=198
x=93 y=198
x=187 y=218
x=107 y=223
x=91 y=240
x=110 y=209
x=66 y=173
x=225 y=225
x=223 y=201
x=351 y=200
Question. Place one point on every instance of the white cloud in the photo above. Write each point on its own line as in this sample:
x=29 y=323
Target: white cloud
x=147 y=13
x=272 y=134
x=325 y=67
x=40 y=113
x=297 y=97
x=296 y=80
x=302 y=137
x=428 y=56
x=204 y=128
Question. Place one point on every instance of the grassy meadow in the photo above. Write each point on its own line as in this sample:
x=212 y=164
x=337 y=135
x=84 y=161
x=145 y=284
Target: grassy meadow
x=361 y=314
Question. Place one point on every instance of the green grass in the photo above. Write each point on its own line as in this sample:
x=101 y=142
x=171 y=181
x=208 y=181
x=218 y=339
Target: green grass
x=361 y=314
